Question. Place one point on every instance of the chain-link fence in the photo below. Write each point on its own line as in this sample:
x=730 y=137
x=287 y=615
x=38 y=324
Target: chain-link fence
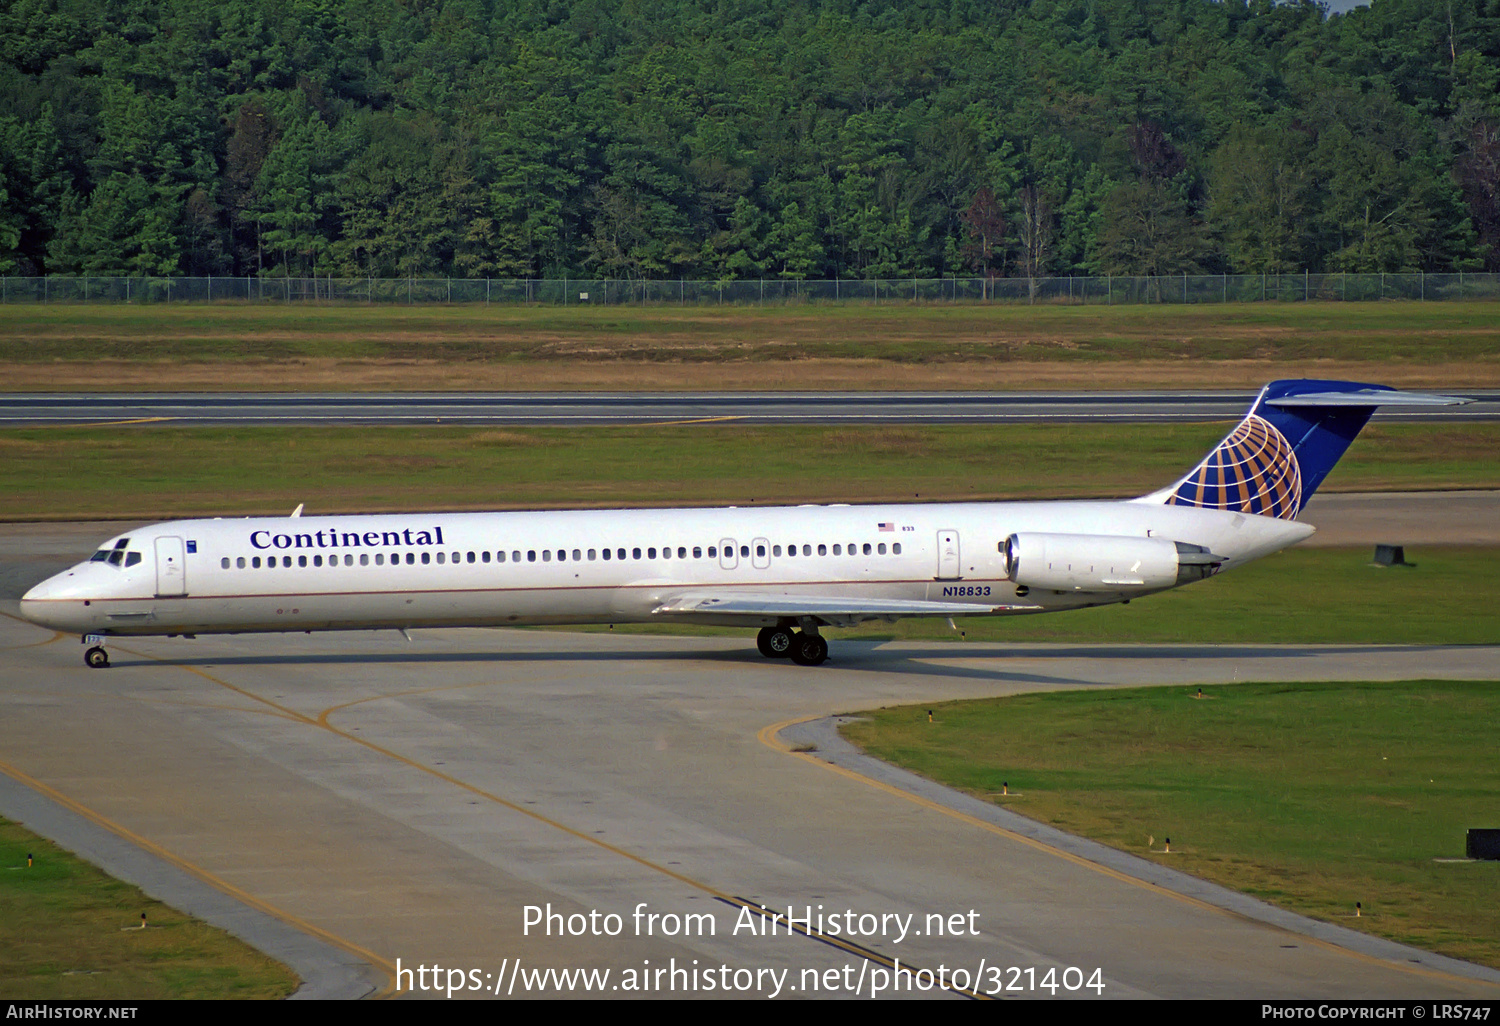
x=1108 y=290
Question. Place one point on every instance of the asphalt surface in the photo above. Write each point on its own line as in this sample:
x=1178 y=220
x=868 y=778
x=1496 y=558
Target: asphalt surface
x=564 y=409
x=420 y=801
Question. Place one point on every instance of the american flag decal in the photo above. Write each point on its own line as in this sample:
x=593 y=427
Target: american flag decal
x=886 y=526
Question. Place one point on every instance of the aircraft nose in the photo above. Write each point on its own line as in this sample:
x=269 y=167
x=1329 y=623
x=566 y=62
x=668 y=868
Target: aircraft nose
x=36 y=603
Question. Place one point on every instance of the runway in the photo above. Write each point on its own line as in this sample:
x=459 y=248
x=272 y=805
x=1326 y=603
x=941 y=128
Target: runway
x=571 y=409
x=410 y=801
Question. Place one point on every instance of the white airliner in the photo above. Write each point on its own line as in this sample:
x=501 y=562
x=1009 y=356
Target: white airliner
x=789 y=570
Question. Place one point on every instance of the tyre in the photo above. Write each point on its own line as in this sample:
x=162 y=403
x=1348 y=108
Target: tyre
x=96 y=657
x=774 y=642
x=809 y=649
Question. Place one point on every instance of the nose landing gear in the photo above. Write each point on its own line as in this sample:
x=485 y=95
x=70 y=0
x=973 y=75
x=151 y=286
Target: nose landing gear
x=96 y=657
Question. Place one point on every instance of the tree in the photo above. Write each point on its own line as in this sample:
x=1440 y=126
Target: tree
x=984 y=228
x=1478 y=172
x=1259 y=193
x=1149 y=230
x=1035 y=233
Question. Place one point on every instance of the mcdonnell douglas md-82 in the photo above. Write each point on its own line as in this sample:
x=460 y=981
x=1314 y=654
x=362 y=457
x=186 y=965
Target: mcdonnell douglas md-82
x=789 y=571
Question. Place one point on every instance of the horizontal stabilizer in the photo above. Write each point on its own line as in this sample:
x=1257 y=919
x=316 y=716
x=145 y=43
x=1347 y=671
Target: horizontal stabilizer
x=1369 y=397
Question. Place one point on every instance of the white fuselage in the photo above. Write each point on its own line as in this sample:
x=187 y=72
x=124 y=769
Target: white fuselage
x=488 y=569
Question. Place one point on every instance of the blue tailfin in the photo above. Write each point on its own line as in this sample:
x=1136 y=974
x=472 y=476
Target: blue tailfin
x=1275 y=458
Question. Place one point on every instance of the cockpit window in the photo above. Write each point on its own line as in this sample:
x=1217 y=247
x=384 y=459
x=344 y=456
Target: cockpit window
x=132 y=558
x=116 y=557
x=122 y=543
x=99 y=556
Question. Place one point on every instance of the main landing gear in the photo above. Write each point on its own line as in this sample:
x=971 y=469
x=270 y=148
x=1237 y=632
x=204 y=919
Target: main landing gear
x=804 y=648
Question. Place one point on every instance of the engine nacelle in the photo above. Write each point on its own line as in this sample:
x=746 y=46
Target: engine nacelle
x=1104 y=562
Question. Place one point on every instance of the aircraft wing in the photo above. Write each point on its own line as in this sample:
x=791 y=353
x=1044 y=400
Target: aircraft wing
x=841 y=610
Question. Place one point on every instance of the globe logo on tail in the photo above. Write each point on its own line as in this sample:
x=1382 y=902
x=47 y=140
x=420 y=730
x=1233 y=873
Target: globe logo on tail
x=1254 y=470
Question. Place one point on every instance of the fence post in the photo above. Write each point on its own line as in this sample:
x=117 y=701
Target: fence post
x=1306 y=285
x=1109 y=285
x=1225 y=281
x=486 y=291
x=1423 y=277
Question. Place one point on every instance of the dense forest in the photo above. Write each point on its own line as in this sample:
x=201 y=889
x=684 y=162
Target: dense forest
x=719 y=139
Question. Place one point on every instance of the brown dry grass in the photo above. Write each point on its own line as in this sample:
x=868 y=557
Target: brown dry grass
x=339 y=375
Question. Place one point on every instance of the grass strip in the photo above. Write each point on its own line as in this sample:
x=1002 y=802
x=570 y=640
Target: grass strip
x=163 y=471
x=69 y=931
x=1309 y=796
x=1374 y=332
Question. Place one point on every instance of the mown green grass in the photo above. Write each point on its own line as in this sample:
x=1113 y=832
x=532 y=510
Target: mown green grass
x=906 y=333
x=1310 y=796
x=69 y=931
x=159 y=471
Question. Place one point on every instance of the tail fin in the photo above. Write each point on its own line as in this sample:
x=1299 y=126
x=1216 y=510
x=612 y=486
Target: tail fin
x=1275 y=458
